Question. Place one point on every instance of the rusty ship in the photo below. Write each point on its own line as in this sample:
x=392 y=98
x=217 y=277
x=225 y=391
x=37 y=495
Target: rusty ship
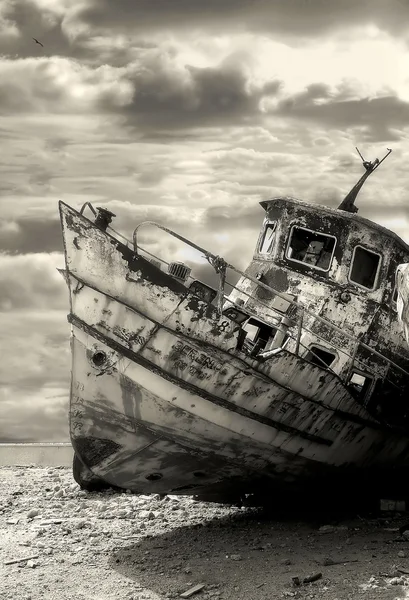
x=292 y=380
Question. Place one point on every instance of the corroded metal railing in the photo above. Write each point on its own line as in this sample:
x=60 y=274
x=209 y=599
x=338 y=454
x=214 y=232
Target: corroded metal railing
x=214 y=259
x=221 y=266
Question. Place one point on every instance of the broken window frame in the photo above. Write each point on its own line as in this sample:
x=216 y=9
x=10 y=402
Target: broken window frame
x=319 y=233
x=376 y=278
x=320 y=361
x=253 y=345
x=269 y=225
x=365 y=392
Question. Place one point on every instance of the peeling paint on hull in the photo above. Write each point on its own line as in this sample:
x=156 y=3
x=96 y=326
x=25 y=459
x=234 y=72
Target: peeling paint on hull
x=186 y=440
x=162 y=401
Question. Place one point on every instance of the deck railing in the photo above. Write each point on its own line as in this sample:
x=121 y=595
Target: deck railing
x=221 y=267
x=302 y=309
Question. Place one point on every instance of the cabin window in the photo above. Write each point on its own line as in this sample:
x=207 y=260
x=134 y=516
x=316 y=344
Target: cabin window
x=364 y=268
x=311 y=248
x=359 y=384
x=319 y=356
x=267 y=241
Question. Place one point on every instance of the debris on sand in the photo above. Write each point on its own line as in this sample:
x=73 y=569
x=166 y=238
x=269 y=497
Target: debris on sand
x=194 y=590
x=108 y=542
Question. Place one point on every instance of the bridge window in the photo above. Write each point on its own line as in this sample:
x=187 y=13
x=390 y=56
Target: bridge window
x=267 y=241
x=364 y=268
x=311 y=248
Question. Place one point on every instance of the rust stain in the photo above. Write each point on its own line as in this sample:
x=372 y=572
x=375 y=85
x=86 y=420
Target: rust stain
x=123 y=351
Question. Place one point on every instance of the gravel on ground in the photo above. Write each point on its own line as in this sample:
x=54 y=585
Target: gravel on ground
x=58 y=542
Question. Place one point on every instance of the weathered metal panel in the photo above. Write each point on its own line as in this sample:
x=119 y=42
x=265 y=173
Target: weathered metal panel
x=135 y=416
x=215 y=372
x=97 y=260
x=206 y=408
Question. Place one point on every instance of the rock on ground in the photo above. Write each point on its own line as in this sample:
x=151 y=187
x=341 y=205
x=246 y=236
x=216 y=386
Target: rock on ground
x=102 y=546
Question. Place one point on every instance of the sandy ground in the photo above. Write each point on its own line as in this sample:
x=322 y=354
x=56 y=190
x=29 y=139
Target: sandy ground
x=106 y=546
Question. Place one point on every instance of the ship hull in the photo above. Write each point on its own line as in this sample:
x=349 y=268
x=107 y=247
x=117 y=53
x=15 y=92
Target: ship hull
x=161 y=402
x=136 y=437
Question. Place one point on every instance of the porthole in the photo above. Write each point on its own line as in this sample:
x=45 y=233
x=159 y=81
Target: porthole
x=99 y=358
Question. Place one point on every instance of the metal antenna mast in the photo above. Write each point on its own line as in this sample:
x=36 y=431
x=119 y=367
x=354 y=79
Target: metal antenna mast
x=348 y=203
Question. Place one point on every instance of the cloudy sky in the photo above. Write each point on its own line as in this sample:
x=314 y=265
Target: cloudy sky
x=184 y=112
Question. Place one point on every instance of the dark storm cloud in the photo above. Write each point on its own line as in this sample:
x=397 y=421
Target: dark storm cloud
x=319 y=105
x=167 y=95
x=151 y=175
x=152 y=94
x=156 y=93
x=31 y=21
x=32 y=235
x=45 y=24
x=297 y=17
x=56 y=144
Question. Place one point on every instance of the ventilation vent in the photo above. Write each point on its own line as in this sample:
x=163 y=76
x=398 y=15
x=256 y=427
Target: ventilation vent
x=179 y=270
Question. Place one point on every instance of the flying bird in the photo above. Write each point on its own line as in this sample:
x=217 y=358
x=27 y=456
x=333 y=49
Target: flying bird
x=37 y=42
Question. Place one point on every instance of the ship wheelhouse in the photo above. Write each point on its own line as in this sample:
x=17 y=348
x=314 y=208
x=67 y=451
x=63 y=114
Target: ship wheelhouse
x=341 y=267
